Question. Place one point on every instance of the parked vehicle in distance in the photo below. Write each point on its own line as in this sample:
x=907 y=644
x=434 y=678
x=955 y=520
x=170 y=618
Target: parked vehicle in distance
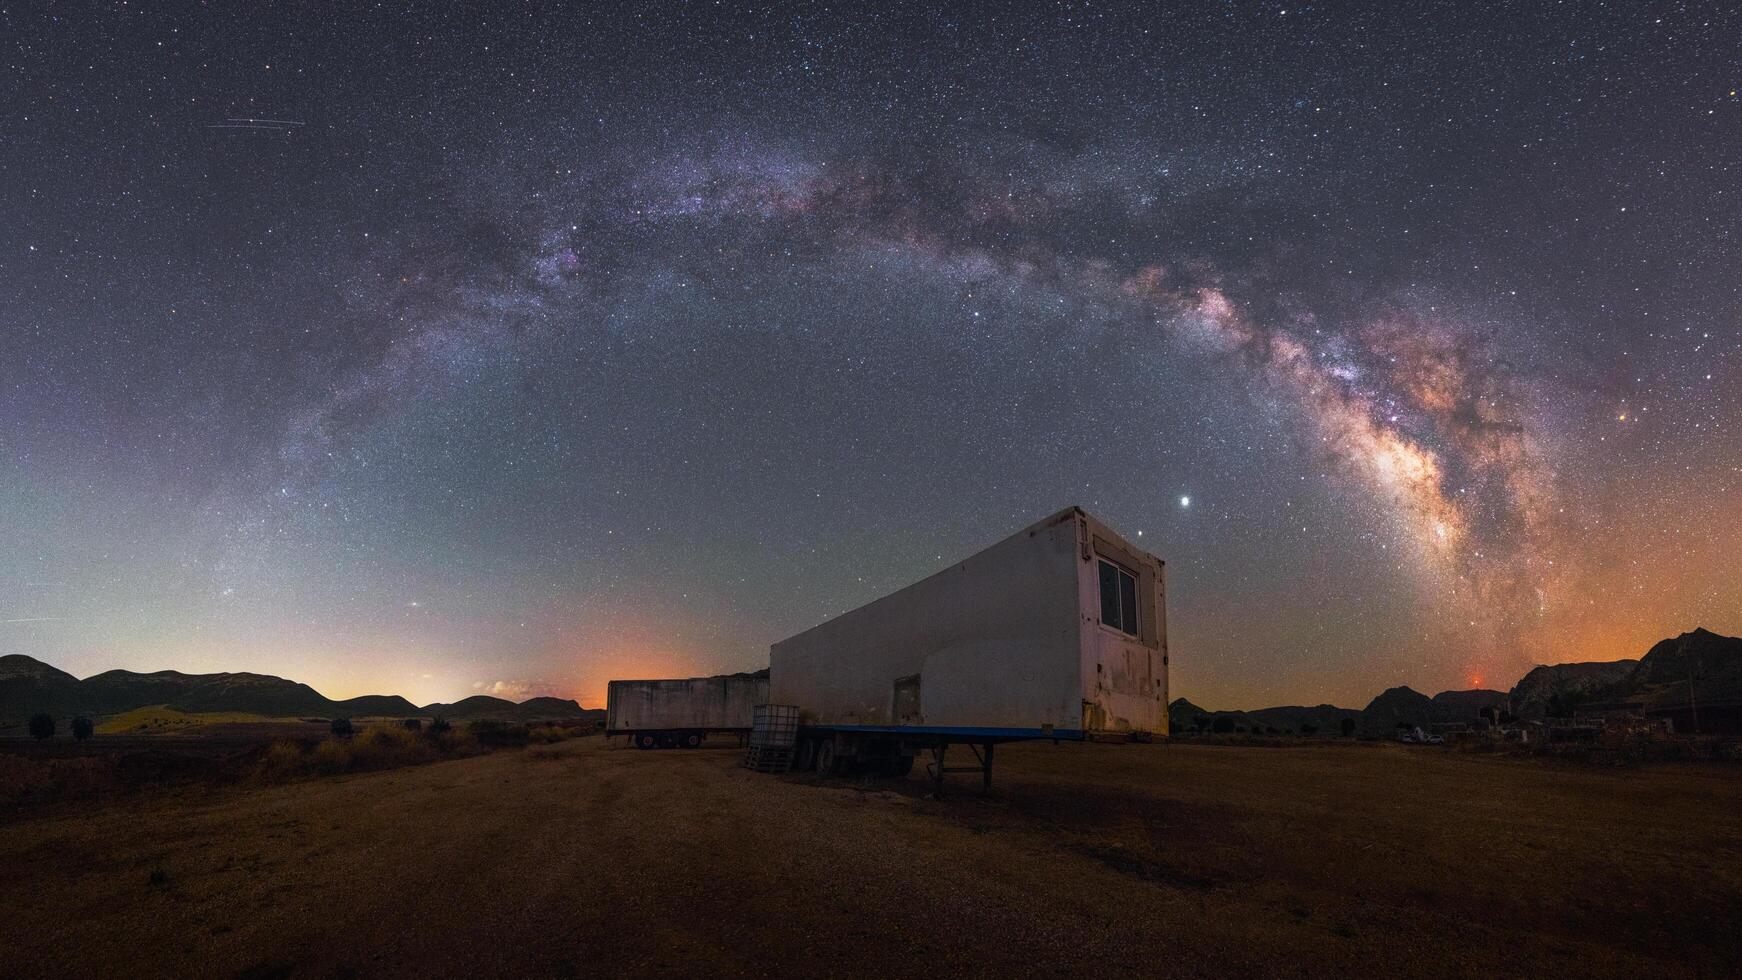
x=683 y=712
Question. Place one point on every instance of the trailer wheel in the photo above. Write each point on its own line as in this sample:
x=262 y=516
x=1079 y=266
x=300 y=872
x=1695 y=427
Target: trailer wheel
x=828 y=761
x=691 y=740
x=646 y=740
x=806 y=755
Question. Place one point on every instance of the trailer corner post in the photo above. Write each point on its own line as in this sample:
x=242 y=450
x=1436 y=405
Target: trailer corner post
x=982 y=757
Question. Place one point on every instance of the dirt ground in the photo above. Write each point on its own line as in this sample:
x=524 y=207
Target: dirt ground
x=1154 y=860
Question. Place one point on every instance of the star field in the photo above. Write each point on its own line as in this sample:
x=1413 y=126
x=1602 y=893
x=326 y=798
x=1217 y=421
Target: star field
x=509 y=348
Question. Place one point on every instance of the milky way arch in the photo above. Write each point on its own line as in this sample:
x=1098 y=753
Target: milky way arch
x=1412 y=406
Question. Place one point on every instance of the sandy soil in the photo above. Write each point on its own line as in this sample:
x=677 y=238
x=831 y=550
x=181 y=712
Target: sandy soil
x=1157 y=860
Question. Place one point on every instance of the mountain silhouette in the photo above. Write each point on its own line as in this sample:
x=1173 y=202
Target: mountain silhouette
x=29 y=686
x=1694 y=678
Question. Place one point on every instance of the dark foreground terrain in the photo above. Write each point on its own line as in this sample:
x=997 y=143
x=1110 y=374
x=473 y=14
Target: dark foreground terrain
x=1162 y=860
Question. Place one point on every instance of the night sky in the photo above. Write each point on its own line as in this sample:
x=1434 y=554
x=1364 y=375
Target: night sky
x=437 y=352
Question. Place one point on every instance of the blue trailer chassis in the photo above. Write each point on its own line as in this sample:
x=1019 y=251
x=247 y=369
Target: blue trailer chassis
x=833 y=749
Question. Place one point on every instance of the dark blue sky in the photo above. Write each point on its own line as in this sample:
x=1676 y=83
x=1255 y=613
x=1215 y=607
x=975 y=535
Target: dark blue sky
x=513 y=348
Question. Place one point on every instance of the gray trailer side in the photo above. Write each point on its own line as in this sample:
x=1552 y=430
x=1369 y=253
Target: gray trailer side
x=669 y=713
x=1057 y=632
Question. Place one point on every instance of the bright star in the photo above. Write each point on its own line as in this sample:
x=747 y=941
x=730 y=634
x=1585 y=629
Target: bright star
x=1185 y=501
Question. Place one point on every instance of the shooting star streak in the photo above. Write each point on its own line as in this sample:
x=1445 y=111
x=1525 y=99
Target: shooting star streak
x=35 y=619
x=242 y=122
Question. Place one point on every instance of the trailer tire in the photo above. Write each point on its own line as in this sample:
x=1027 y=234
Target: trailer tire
x=828 y=760
x=691 y=740
x=646 y=740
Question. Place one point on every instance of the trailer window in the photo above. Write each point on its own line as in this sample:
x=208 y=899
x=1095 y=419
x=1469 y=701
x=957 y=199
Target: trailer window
x=1118 y=598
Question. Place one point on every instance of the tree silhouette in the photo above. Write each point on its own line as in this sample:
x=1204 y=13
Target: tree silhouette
x=82 y=728
x=41 y=726
x=342 y=727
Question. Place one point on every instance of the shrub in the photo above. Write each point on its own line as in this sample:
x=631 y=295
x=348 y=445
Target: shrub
x=29 y=780
x=342 y=727
x=377 y=738
x=385 y=746
x=41 y=726
x=1309 y=729
x=413 y=724
x=456 y=742
x=82 y=728
x=1222 y=726
x=374 y=747
x=331 y=756
x=438 y=725
x=497 y=733
x=281 y=760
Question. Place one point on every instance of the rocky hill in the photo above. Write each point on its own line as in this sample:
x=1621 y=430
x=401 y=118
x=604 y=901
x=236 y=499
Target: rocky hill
x=1555 y=686
x=28 y=686
x=1383 y=714
x=1658 y=683
x=1398 y=705
x=548 y=707
x=1304 y=719
x=260 y=694
x=19 y=669
x=28 y=680
x=1403 y=706
x=1183 y=715
x=483 y=706
x=378 y=706
x=1462 y=705
x=1710 y=662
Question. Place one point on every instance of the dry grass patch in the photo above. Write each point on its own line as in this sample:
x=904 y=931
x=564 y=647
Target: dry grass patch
x=376 y=747
x=158 y=719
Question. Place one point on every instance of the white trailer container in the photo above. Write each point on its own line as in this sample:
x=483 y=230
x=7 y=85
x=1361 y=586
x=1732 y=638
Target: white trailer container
x=668 y=713
x=1059 y=631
